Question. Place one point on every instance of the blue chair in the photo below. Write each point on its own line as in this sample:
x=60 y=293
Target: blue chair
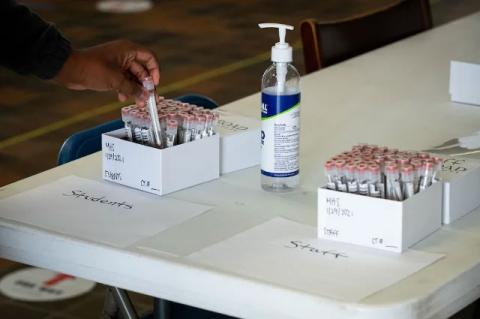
x=89 y=141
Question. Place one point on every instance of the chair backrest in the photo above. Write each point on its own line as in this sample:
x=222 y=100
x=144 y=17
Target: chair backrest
x=328 y=43
x=89 y=141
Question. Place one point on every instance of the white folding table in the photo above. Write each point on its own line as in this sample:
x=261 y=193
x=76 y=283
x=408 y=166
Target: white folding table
x=395 y=96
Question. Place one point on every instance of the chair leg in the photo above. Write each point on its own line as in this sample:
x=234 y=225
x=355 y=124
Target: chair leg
x=118 y=305
x=161 y=309
x=110 y=309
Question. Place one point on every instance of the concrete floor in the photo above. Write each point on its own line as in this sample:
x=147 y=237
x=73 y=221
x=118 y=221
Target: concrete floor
x=211 y=47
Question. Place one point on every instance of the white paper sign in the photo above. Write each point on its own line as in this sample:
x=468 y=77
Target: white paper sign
x=465 y=82
x=97 y=211
x=287 y=254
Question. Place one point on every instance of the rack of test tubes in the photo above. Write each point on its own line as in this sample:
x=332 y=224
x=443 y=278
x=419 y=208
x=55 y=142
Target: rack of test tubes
x=179 y=123
x=163 y=123
x=382 y=172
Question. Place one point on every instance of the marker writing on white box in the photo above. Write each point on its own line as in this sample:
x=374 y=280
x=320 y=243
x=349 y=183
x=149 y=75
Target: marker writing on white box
x=382 y=172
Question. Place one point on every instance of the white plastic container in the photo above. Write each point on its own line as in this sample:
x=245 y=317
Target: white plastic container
x=159 y=171
x=379 y=223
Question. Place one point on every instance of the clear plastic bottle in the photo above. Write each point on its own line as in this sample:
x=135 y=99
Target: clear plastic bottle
x=280 y=138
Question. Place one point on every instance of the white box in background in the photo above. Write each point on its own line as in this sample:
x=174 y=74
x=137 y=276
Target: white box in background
x=461 y=190
x=464 y=82
x=379 y=223
x=159 y=171
x=239 y=141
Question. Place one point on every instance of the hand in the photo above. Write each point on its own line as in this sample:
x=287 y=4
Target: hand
x=113 y=66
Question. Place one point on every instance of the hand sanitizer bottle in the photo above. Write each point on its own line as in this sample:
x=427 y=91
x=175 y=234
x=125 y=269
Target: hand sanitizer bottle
x=280 y=137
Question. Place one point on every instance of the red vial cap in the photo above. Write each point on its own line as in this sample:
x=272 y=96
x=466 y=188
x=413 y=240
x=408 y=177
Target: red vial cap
x=340 y=163
x=329 y=164
x=392 y=168
x=362 y=167
x=374 y=168
x=407 y=169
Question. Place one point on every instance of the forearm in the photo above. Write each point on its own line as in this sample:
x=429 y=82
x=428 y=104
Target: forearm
x=31 y=45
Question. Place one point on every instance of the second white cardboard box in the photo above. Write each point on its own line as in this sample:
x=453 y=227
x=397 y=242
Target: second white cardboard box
x=379 y=223
x=461 y=187
x=464 y=79
x=159 y=171
x=239 y=141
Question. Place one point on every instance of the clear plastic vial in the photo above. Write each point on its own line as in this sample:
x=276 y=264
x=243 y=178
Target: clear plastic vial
x=280 y=137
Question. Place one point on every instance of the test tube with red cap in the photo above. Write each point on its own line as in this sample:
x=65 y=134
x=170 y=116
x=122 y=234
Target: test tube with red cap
x=210 y=121
x=393 y=189
x=340 y=177
x=403 y=160
x=204 y=125
x=383 y=149
x=136 y=126
x=417 y=167
x=171 y=132
x=427 y=174
x=423 y=155
x=186 y=107
x=170 y=102
x=180 y=130
x=361 y=172
x=141 y=134
x=127 y=120
x=330 y=172
x=163 y=124
x=196 y=134
x=199 y=126
x=147 y=130
x=172 y=115
x=375 y=186
x=352 y=184
x=407 y=177
x=153 y=111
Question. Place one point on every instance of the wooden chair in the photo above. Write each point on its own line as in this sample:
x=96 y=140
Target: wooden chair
x=327 y=43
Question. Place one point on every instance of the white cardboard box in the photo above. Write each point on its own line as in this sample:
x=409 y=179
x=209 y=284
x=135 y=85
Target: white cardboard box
x=239 y=141
x=461 y=187
x=464 y=82
x=379 y=223
x=159 y=171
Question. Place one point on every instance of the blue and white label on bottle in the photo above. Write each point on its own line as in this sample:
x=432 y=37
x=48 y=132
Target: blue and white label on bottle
x=280 y=134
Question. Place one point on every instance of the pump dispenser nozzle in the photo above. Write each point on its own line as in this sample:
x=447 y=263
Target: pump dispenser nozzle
x=281 y=53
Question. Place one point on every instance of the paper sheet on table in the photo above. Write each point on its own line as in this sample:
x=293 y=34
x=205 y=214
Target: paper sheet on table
x=287 y=254
x=97 y=211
